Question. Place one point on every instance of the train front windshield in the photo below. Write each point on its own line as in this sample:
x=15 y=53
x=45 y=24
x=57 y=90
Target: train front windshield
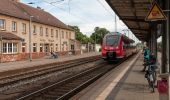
x=112 y=40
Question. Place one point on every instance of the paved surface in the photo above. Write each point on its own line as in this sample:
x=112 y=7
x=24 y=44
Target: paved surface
x=35 y=62
x=132 y=86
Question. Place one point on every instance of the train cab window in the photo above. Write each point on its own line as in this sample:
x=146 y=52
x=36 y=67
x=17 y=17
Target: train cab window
x=112 y=40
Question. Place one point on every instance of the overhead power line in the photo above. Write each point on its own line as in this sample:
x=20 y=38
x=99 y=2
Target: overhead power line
x=105 y=7
x=82 y=19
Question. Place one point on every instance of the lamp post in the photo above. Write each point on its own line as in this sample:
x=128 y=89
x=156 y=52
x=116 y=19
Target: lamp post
x=95 y=43
x=30 y=36
x=1 y=48
x=115 y=23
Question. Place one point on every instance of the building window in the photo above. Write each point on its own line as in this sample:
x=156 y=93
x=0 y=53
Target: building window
x=34 y=47
x=66 y=35
x=52 y=47
x=63 y=34
x=41 y=31
x=23 y=47
x=52 y=33
x=14 y=26
x=4 y=47
x=14 y=47
x=69 y=35
x=56 y=48
x=10 y=48
x=56 y=33
x=41 y=47
x=46 y=32
x=2 y=24
x=23 y=28
x=62 y=47
x=72 y=47
x=34 y=29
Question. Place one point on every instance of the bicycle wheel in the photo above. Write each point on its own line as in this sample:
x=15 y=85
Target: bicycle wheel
x=152 y=87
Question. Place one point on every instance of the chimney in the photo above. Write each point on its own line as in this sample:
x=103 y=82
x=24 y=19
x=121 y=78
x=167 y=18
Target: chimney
x=38 y=7
x=16 y=0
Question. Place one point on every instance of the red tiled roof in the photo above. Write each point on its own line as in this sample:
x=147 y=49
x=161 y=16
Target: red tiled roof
x=9 y=36
x=23 y=11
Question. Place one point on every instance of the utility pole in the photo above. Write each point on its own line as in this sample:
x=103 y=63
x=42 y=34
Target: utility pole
x=95 y=43
x=1 y=48
x=60 y=40
x=115 y=23
x=30 y=37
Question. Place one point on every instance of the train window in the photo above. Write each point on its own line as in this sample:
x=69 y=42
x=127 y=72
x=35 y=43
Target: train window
x=112 y=40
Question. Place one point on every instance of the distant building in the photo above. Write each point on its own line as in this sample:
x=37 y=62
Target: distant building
x=47 y=32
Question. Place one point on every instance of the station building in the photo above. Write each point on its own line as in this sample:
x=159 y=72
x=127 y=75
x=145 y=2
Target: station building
x=18 y=20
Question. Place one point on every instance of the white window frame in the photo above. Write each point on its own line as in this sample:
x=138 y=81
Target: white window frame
x=14 y=26
x=24 y=28
x=41 y=46
x=52 y=33
x=46 y=32
x=34 y=46
x=24 y=46
x=34 y=29
x=7 y=48
x=3 y=24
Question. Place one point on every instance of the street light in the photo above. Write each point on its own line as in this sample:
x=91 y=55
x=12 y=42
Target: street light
x=30 y=42
x=1 y=47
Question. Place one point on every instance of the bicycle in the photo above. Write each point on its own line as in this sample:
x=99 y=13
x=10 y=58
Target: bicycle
x=151 y=76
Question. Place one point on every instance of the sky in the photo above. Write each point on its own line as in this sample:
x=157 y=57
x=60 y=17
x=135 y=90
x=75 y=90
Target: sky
x=86 y=14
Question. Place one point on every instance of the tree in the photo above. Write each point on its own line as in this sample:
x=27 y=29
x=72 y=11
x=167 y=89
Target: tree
x=98 y=34
x=80 y=36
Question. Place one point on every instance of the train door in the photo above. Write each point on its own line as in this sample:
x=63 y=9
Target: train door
x=124 y=48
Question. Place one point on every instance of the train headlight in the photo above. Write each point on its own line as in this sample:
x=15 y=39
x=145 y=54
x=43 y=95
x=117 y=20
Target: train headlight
x=116 y=47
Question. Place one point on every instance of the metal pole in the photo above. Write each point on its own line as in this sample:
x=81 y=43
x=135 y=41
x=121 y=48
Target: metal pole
x=115 y=24
x=60 y=40
x=1 y=49
x=30 y=42
x=95 y=43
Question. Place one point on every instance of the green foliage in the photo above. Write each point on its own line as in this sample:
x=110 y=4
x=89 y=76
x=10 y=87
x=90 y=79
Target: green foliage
x=80 y=36
x=98 y=34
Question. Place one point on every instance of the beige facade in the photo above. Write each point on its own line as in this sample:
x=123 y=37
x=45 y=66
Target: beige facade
x=52 y=36
x=44 y=38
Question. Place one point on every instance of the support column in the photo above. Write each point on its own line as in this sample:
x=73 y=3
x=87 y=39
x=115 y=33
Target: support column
x=165 y=68
x=164 y=42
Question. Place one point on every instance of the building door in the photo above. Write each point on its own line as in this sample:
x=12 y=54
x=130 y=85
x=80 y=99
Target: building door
x=46 y=48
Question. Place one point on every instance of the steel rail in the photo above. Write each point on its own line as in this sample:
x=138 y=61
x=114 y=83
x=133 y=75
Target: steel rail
x=70 y=86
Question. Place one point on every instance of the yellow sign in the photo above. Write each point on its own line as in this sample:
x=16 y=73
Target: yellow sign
x=155 y=13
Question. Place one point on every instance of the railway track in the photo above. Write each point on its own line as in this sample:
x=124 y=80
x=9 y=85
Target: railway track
x=10 y=80
x=65 y=89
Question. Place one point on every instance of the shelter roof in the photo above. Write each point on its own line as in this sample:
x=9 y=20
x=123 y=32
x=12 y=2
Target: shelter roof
x=133 y=13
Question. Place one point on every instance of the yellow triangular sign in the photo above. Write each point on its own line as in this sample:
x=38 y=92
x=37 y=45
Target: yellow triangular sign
x=155 y=13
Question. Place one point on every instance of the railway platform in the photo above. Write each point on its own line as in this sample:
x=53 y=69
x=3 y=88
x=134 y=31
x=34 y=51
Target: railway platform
x=125 y=82
x=9 y=67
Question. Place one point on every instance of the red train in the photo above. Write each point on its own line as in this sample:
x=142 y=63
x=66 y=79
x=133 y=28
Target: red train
x=116 y=46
